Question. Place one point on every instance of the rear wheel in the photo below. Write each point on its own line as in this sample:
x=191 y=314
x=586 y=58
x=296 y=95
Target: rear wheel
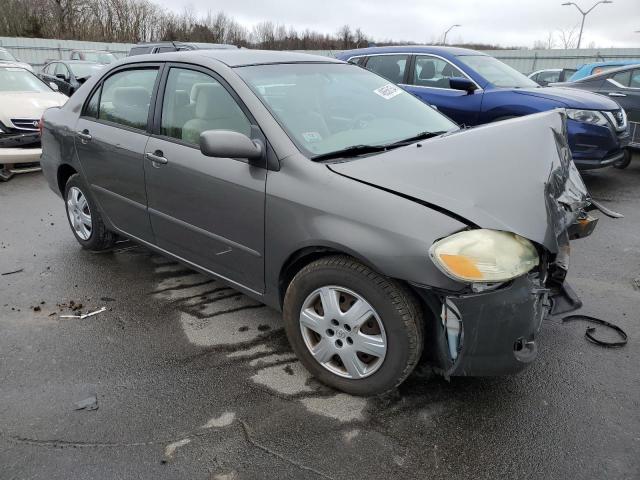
x=352 y=328
x=84 y=217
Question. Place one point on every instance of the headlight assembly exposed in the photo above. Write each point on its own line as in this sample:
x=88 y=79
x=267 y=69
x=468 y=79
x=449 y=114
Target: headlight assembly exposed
x=484 y=255
x=593 y=117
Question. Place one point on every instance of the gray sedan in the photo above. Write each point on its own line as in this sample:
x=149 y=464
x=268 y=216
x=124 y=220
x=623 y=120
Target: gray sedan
x=384 y=233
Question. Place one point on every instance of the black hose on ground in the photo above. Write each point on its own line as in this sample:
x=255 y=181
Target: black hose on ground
x=591 y=330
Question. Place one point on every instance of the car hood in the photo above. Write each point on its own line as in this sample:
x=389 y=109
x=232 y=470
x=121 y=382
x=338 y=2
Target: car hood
x=27 y=105
x=516 y=176
x=571 y=98
x=24 y=65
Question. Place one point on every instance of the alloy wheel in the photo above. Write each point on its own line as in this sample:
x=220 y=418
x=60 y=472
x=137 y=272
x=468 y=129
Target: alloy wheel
x=343 y=332
x=79 y=213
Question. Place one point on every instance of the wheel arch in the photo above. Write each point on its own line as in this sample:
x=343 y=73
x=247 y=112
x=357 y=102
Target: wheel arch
x=65 y=171
x=297 y=260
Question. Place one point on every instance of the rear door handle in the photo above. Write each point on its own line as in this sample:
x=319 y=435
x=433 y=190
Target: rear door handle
x=84 y=136
x=617 y=94
x=156 y=158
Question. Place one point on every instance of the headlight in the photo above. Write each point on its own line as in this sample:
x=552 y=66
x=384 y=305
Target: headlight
x=484 y=255
x=593 y=117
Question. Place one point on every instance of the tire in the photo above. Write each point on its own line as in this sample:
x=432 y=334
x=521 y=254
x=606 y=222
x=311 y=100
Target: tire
x=626 y=160
x=394 y=320
x=79 y=205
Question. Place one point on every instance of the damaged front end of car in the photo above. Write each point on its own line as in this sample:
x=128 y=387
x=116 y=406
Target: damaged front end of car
x=515 y=187
x=492 y=329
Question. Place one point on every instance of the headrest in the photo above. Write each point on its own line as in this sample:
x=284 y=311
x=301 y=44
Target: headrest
x=181 y=98
x=428 y=71
x=213 y=101
x=131 y=97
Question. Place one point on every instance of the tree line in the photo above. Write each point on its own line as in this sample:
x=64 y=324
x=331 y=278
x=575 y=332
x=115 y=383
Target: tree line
x=132 y=21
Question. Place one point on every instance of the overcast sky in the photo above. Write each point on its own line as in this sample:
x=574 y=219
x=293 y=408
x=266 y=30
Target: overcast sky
x=514 y=22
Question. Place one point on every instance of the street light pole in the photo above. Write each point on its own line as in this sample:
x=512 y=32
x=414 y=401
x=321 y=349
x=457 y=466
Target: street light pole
x=444 y=40
x=584 y=14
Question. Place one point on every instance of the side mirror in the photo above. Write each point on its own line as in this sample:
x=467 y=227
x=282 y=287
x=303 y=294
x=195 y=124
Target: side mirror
x=61 y=76
x=464 y=84
x=54 y=86
x=229 y=144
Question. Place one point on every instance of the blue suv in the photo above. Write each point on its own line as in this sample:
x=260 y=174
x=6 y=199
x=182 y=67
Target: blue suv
x=473 y=88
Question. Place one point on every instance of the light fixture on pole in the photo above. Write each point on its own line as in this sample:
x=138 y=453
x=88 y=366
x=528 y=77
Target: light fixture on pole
x=584 y=14
x=444 y=39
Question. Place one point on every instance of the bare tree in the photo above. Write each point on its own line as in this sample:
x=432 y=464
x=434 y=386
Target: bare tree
x=568 y=37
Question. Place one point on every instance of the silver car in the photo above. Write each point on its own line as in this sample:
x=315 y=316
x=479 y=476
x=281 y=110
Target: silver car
x=384 y=233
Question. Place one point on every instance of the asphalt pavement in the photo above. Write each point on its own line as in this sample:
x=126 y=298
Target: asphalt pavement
x=193 y=380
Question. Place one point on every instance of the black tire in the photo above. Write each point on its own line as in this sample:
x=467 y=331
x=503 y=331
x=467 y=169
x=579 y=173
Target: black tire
x=626 y=160
x=100 y=238
x=397 y=307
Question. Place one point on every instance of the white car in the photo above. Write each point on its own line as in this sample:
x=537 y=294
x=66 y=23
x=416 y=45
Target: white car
x=23 y=100
x=7 y=57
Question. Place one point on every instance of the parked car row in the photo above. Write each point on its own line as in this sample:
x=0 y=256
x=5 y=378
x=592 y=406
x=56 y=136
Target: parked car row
x=23 y=99
x=384 y=232
x=473 y=88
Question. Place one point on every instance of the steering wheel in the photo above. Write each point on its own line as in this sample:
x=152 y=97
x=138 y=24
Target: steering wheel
x=361 y=120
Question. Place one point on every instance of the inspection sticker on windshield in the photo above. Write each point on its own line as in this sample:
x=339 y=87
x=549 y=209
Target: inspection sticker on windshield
x=388 y=91
x=312 y=137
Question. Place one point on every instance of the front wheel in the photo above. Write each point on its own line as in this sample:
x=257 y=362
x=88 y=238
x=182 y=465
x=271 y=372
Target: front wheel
x=353 y=329
x=626 y=160
x=84 y=217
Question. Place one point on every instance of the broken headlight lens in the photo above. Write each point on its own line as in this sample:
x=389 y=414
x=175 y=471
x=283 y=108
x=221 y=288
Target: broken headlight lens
x=484 y=255
x=593 y=117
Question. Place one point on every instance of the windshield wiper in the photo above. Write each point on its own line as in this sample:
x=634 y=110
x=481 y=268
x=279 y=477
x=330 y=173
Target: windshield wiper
x=352 y=151
x=355 y=150
x=415 y=138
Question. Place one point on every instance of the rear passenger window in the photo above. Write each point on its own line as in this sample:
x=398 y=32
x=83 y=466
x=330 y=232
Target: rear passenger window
x=635 y=79
x=434 y=72
x=390 y=67
x=195 y=102
x=126 y=97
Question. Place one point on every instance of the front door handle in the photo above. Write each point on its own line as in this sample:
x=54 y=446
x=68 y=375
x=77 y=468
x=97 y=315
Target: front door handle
x=617 y=94
x=84 y=136
x=156 y=158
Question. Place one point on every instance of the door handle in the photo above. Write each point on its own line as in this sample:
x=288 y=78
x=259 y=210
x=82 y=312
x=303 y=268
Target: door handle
x=156 y=158
x=84 y=136
x=617 y=94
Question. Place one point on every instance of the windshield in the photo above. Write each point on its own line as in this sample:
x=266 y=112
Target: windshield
x=81 y=70
x=329 y=107
x=6 y=56
x=497 y=73
x=14 y=79
x=100 y=57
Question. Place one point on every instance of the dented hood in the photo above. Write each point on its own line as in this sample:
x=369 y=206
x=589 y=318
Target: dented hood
x=515 y=176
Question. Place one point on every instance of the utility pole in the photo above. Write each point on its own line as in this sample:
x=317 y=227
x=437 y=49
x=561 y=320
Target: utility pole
x=584 y=14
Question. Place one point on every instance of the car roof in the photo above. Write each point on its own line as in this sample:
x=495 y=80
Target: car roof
x=610 y=71
x=236 y=57
x=436 y=50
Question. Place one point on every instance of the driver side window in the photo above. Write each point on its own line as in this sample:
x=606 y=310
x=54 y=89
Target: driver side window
x=61 y=69
x=195 y=102
x=434 y=72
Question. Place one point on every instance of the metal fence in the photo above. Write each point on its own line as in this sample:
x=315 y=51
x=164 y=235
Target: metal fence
x=37 y=51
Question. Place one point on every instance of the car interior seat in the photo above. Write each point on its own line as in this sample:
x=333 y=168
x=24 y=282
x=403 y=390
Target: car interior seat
x=215 y=109
x=130 y=106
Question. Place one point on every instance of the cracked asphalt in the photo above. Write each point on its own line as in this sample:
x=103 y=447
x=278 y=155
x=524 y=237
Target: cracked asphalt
x=196 y=381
